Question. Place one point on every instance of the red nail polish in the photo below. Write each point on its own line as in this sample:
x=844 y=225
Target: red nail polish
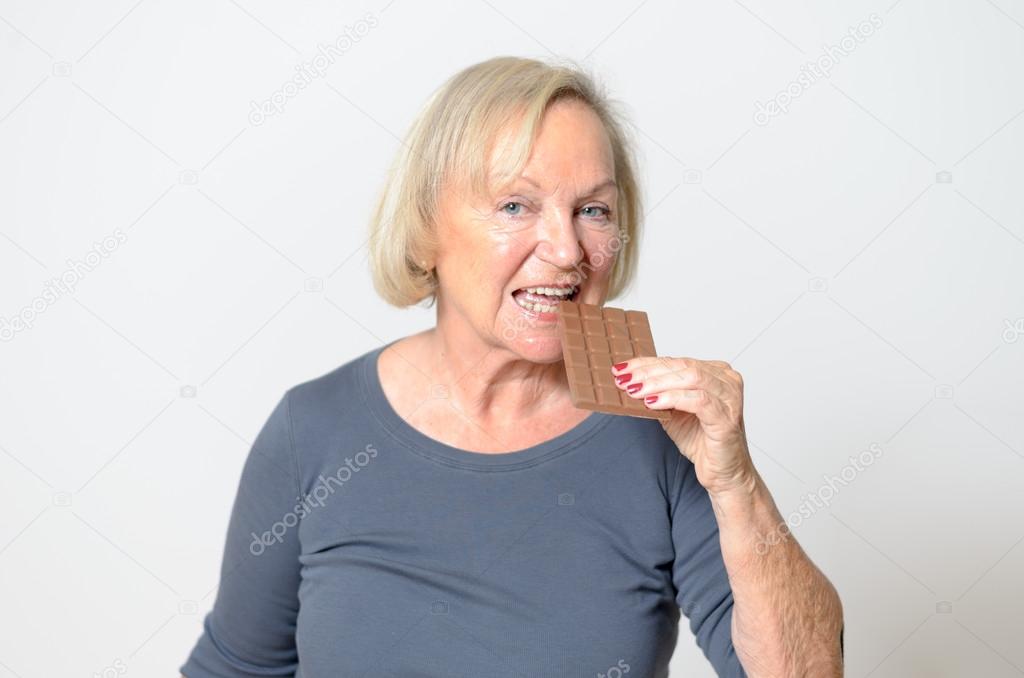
x=619 y=366
x=633 y=388
x=623 y=378
x=650 y=400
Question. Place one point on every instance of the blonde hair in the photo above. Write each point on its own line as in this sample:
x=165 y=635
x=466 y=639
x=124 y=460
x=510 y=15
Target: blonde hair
x=449 y=143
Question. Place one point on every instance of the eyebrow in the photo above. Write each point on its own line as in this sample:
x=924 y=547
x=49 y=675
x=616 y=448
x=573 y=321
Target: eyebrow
x=604 y=184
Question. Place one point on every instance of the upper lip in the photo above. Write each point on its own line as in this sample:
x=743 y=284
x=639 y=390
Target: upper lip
x=557 y=286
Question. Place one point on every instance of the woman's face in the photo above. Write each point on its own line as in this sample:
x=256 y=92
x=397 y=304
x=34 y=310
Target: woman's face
x=554 y=227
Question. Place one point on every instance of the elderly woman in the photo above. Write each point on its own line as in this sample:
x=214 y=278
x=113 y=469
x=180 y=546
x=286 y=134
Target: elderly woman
x=438 y=507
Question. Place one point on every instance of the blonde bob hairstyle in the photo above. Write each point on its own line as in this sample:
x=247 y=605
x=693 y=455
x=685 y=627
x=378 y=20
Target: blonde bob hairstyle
x=449 y=144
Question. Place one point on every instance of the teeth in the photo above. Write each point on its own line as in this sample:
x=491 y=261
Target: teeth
x=538 y=308
x=556 y=292
x=551 y=291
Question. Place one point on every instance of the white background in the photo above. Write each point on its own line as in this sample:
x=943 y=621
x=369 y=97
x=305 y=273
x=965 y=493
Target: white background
x=866 y=298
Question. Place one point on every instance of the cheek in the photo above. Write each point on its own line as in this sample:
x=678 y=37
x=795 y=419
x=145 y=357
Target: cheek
x=602 y=249
x=498 y=256
x=484 y=263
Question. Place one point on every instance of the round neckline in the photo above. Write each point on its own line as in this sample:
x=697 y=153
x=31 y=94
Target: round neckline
x=423 y=445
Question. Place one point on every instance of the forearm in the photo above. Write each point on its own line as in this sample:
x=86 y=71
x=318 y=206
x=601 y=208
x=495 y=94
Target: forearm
x=787 y=616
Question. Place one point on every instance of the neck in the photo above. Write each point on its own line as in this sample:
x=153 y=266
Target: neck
x=489 y=383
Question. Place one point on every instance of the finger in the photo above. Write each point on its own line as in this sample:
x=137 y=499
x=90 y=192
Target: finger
x=644 y=362
x=709 y=407
x=642 y=369
x=644 y=383
x=694 y=401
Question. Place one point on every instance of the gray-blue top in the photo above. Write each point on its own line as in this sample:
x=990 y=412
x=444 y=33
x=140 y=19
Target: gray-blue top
x=359 y=546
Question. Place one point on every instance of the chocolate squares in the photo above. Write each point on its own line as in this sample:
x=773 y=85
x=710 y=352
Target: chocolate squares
x=593 y=339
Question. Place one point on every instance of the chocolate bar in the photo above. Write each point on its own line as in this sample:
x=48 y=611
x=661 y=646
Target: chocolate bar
x=593 y=339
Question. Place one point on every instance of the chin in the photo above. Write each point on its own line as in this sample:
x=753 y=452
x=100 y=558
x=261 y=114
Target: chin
x=536 y=344
x=539 y=350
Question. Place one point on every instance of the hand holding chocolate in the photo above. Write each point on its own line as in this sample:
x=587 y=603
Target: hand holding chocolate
x=593 y=339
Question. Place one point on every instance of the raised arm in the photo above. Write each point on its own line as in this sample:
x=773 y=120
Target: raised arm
x=788 y=618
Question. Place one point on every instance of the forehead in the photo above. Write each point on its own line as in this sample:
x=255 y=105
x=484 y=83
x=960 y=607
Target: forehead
x=572 y=151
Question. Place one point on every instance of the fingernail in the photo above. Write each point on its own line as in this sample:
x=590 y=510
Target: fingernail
x=650 y=400
x=633 y=388
x=619 y=366
x=623 y=378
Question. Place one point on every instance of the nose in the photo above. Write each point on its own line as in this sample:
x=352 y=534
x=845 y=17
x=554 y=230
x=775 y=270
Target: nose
x=559 y=245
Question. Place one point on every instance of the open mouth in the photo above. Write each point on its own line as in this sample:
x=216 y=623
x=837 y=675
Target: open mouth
x=544 y=299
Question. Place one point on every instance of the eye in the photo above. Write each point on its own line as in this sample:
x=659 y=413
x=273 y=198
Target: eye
x=595 y=212
x=513 y=213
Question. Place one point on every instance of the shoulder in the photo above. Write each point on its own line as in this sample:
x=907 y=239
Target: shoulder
x=324 y=414
x=331 y=392
x=331 y=405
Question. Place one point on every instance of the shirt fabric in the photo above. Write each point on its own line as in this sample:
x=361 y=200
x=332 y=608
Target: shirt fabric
x=359 y=546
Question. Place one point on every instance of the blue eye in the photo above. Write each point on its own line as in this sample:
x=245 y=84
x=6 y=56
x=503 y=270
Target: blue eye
x=512 y=214
x=604 y=211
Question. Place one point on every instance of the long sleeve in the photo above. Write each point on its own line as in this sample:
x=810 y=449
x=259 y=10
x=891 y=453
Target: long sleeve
x=251 y=630
x=702 y=585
